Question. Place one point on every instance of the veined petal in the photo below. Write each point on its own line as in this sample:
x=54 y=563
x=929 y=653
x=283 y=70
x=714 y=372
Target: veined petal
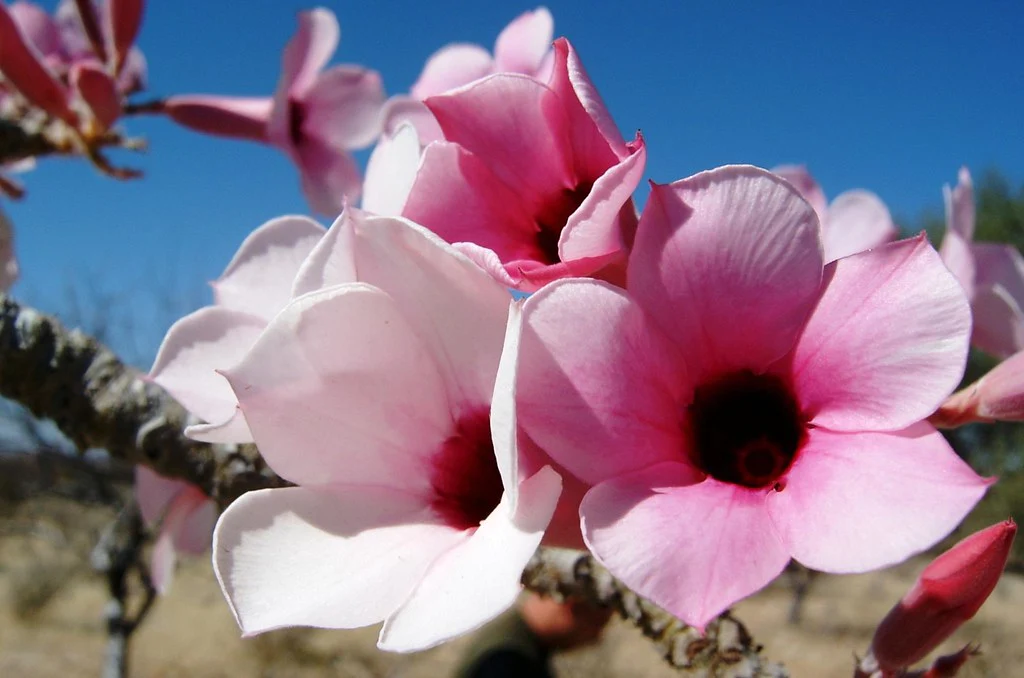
x=341 y=376
x=692 y=547
x=599 y=389
x=450 y=67
x=887 y=342
x=331 y=262
x=805 y=184
x=478 y=579
x=342 y=557
x=854 y=502
x=857 y=220
x=210 y=339
x=457 y=311
x=728 y=262
x=258 y=280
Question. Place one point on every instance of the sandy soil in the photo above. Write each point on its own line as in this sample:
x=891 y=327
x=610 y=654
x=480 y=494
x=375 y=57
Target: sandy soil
x=191 y=633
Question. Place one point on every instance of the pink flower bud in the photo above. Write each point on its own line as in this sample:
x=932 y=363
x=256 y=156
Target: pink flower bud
x=949 y=592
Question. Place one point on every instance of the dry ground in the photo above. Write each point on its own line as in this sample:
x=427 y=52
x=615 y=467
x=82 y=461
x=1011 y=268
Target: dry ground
x=51 y=605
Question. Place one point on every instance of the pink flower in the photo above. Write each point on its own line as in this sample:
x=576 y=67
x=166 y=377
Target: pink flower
x=949 y=591
x=533 y=181
x=316 y=116
x=741 y=403
x=185 y=515
x=384 y=401
x=855 y=221
x=253 y=288
x=391 y=171
x=992 y=274
x=108 y=41
x=524 y=46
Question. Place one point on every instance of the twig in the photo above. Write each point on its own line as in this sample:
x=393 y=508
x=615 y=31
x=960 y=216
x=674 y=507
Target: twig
x=725 y=650
x=18 y=143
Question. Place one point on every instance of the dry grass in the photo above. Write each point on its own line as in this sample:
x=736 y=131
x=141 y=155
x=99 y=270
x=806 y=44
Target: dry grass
x=191 y=634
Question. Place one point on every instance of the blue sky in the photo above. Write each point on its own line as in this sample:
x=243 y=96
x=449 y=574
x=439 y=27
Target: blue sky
x=892 y=97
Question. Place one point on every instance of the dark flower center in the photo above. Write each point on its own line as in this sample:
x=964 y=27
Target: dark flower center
x=551 y=222
x=746 y=428
x=296 y=117
x=467 y=485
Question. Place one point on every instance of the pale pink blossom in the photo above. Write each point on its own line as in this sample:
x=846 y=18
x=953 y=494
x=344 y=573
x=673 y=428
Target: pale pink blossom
x=855 y=221
x=118 y=23
x=316 y=116
x=742 y=403
x=390 y=172
x=533 y=182
x=185 y=515
x=389 y=404
x=949 y=591
x=253 y=288
x=997 y=396
x=524 y=46
x=992 y=274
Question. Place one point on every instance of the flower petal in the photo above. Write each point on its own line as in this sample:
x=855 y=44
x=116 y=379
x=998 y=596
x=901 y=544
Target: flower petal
x=400 y=110
x=519 y=128
x=154 y=493
x=478 y=579
x=195 y=530
x=309 y=50
x=805 y=184
x=599 y=388
x=391 y=171
x=450 y=67
x=998 y=322
x=210 y=339
x=857 y=220
x=504 y=424
x=331 y=262
x=339 y=558
x=234 y=430
x=854 y=502
x=524 y=44
x=237 y=117
x=341 y=376
x=728 y=262
x=887 y=342
x=258 y=280
x=692 y=547
x=343 y=107
x=457 y=311
x=23 y=67
x=960 y=210
x=329 y=176
x=98 y=91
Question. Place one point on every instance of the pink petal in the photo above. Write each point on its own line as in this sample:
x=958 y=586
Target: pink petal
x=1001 y=391
x=399 y=110
x=456 y=195
x=503 y=419
x=455 y=309
x=857 y=220
x=259 y=278
x=233 y=430
x=478 y=579
x=238 y=117
x=596 y=140
x=692 y=547
x=339 y=558
x=860 y=501
x=194 y=532
x=728 y=262
x=804 y=183
x=887 y=342
x=343 y=107
x=599 y=388
x=525 y=43
x=154 y=493
x=519 y=128
x=342 y=376
x=134 y=72
x=125 y=18
x=99 y=92
x=212 y=338
x=162 y=561
x=960 y=210
x=329 y=176
x=450 y=67
x=38 y=28
x=391 y=171
x=1000 y=264
x=594 y=229
x=489 y=262
x=23 y=68
x=308 y=51
x=331 y=262
x=176 y=534
x=998 y=322
x=958 y=257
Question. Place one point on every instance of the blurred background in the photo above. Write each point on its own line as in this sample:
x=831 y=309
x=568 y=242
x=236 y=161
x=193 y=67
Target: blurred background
x=890 y=97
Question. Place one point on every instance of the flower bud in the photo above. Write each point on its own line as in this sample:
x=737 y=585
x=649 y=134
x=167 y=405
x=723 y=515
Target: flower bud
x=949 y=591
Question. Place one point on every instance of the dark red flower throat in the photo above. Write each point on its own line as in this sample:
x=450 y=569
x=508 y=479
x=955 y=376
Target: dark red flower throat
x=746 y=428
x=465 y=477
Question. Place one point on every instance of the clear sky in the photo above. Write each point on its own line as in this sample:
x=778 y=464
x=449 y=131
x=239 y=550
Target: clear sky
x=889 y=96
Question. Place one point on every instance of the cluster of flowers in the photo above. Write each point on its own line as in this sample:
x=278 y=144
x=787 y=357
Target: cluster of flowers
x=740 y=375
